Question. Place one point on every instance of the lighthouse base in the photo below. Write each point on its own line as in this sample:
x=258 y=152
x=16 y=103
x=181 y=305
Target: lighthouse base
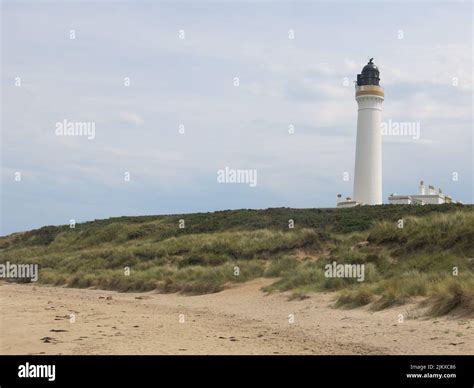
x=344 y=204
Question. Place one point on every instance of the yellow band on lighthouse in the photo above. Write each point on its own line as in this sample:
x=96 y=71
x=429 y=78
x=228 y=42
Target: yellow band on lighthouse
x=365 y=90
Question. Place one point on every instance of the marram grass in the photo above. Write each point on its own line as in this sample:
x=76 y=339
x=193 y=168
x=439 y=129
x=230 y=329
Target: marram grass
x=431 y=257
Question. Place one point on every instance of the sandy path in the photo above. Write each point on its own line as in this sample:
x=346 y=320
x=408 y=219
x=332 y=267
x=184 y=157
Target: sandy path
x=240 y=320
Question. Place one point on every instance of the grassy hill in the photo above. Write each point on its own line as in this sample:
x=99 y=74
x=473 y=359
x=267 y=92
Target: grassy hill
x=214 y=250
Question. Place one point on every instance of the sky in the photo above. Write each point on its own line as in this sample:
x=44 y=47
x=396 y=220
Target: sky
x=129 y=71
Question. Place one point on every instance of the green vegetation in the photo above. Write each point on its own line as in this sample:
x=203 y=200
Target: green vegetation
x=217 y=249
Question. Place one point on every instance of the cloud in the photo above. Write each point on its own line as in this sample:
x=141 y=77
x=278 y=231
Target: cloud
x=132 y=118
x=283 y=82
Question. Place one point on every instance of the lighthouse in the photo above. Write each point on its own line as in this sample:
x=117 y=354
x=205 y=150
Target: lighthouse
x=368 y=160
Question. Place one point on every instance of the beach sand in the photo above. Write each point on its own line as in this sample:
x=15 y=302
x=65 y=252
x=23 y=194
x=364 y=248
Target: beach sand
x=239 y=320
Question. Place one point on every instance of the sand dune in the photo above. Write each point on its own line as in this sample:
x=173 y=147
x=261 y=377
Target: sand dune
x=240 y=320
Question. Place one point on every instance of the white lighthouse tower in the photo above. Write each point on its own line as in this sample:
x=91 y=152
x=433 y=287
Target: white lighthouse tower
x=368 y=161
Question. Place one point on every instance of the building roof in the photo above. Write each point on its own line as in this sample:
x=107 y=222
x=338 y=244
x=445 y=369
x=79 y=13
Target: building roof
x=369 y=75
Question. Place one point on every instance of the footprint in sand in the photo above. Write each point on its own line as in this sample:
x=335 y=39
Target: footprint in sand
x=60 y=317
x=80 y=338
x=49 y=340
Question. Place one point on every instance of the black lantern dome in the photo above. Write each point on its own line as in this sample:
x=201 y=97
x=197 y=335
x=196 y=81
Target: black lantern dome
x=370 y=74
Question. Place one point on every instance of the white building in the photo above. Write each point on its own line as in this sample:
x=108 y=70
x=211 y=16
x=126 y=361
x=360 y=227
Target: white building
x=348 y=202
x=430 y=197
x=368 y=161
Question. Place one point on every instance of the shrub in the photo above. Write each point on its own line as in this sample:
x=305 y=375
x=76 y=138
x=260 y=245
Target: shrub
x=356 y=298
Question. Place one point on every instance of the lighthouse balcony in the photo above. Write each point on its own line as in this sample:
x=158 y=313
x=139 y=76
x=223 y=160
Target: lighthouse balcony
x=369 y=90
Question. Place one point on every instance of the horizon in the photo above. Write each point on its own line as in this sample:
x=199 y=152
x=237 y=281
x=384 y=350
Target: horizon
x=227 y=210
